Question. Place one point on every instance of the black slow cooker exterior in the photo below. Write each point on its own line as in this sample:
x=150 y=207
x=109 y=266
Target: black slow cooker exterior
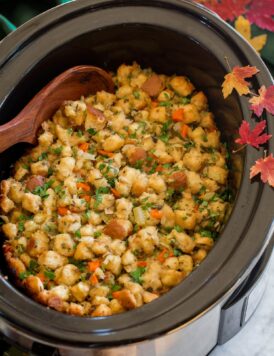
x=173 y=37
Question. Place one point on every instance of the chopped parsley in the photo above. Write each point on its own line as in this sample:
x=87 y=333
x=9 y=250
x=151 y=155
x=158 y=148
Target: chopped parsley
x=32 y=269
x=87 y=214
x=42 y=190
x=184 y=100
x=50 y=275
x=97 y=233
x=189 y=144
x=133 y=135
x=24 y=275
x=226 y=195
x=21 y=226
x=165 y=131
x=43 y=155
x=102 y=166
x=50 y=228
x=25 y=166
x=153 y=168
x=33 y=266
x=78 y=234
x=116 y=287
x=177 y=252
x=178 y=228
x=137 y=274
x=111 y=181
x=57 y=150
x=206 y=233
x=22 y=218
x=98 y=195
x=59 y=191
x=136 y=94
x=139 y=164
x=81 y=265
x=50 y=171
x=165 y=103
x=92 y=131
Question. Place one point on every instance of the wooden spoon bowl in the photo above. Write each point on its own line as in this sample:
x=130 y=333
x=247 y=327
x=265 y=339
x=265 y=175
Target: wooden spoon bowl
x=70 y=85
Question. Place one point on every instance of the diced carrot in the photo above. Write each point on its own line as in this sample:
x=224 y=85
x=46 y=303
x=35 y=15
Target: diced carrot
x=178 y=115
x=116 y=294
x=84 y=186
x=142 y=263
x=87 y=198
x=50 y=284
x=163 y=255
x=93 y=279
x=154 y=104
x=84 y=146
x=93 y=265
x=105 y=153
x=156 y=214
x=159 y=168
x=62 y=210
x=184 y=130
x=41 y=276
x=115 y=192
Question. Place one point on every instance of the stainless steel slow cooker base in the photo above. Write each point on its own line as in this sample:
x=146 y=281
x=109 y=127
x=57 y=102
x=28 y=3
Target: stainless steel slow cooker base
x=173 y=37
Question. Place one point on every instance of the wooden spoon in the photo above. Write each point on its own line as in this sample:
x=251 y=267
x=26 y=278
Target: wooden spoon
x=70 y=85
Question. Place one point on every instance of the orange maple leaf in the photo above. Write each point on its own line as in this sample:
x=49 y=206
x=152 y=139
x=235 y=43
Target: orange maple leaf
x=265 y=166
x=236 y=80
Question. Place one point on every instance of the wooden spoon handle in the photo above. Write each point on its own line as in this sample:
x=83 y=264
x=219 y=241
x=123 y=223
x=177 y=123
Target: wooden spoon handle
x=13 y=132
x=70 y=85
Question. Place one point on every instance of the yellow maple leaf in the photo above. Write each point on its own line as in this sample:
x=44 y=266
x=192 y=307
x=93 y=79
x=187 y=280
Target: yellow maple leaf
x=242 y=25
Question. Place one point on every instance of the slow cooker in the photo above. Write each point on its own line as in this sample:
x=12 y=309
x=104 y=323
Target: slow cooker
x=173 y=36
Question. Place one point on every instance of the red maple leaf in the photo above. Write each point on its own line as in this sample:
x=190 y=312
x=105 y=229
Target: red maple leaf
x=265 y=166
x=252 y=137
x=261 y=13
x=227 y=9
x=264 y=101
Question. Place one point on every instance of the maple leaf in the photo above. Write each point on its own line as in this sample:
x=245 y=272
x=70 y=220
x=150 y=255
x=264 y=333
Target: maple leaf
x=261 y=13
x=252 y=137
x=227 y=9
x=242 y=25
x=236 y=80
x=265 y=166
x=265 y=100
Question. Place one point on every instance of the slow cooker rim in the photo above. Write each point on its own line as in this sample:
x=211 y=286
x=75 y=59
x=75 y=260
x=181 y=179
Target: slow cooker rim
x=136 y=2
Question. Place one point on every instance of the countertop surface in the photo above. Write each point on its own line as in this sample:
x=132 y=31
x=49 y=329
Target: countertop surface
x=257 y=337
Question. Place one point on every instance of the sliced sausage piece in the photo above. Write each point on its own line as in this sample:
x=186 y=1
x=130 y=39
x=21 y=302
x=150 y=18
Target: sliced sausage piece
x=178 y=180
x=118 y=228
x=56 y=303
x=95 y=112
x=138 y=154
x=35 y=181
x=153 y=85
